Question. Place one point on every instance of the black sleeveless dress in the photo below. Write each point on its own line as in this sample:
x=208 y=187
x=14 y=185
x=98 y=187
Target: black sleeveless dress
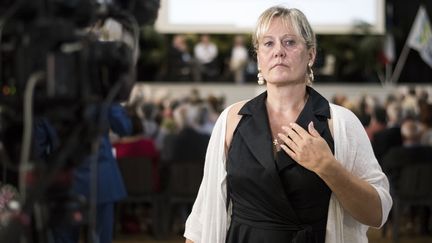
x=275 y=200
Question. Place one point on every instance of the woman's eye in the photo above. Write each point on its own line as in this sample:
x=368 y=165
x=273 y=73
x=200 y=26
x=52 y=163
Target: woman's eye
x=268 y=43
x=289 y=42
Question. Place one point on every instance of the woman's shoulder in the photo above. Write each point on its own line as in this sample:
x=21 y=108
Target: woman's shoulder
x=234 y=109
x=233 y=118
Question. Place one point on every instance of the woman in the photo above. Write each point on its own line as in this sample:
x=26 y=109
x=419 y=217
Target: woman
x=287 y=166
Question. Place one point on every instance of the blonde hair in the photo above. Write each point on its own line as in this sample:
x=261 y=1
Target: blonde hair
x=289 y=16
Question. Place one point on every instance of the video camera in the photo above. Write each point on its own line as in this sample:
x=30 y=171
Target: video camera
x=53 y=48
x=55 y=37
x=55 y=62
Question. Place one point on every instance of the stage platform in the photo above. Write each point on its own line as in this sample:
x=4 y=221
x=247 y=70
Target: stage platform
x=234 y=92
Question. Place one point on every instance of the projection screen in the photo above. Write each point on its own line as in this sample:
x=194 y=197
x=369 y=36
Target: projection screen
x=239 y=16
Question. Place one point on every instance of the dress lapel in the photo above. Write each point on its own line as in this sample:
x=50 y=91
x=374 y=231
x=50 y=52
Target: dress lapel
x=255 y=131
x=317 y=110
x=259 y=141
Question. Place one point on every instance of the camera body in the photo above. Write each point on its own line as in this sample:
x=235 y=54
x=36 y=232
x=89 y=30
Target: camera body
x=54 y=38
x=57 y=42
x=59 y=39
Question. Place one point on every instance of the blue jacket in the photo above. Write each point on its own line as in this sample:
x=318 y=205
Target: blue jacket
x=110 y=187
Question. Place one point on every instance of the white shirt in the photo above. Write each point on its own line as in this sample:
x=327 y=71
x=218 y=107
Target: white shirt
x=239 y=57
x=209 y=220
x=205 y=53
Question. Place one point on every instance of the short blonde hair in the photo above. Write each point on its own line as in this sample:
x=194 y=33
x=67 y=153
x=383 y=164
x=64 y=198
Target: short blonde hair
x=289 y=16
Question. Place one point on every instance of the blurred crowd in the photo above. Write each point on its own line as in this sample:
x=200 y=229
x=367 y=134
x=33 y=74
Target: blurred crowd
x=378 y=115
x=178 y=129
x=164 y=119
x=400 y=130
x=167 y=132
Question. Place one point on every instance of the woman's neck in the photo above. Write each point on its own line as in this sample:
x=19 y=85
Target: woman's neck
x=290 y=98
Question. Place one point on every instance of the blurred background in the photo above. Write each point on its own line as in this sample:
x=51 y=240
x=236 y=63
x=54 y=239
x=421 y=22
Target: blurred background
x=359 y=45
x=368 y=60
x=355 y=40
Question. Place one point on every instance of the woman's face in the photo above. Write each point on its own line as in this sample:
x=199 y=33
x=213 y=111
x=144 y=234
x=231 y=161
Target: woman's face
x=282 y=55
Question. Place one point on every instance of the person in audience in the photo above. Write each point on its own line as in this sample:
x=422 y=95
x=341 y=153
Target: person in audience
x=389 y=137
x=409 y=153
x=409 y=104
x=426 y=122
x=180 y=63
x=364 y=111
x=137 y=145
x=238 y=60
x=377 y=123
x=189 y=146
x=288 y=166
x=206 y=53
x=191 y=141
x=150 y=120
x=110 y=187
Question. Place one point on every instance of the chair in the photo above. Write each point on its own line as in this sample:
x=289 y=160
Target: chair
x=412 y=189
x=137 y=175
x=183 y=184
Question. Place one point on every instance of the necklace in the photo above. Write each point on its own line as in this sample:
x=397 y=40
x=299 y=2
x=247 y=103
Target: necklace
x=275 y=141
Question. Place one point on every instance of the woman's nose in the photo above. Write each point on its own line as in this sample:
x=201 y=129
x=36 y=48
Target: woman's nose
x=279 y=50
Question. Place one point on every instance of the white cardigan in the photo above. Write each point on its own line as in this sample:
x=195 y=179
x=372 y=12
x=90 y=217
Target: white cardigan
x=209 y=220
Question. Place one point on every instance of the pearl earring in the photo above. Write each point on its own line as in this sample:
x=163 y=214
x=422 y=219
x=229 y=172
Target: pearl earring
x=311 y=74
x=260 y=77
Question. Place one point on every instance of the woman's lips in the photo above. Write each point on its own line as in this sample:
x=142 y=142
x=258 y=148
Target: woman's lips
x=279 y=65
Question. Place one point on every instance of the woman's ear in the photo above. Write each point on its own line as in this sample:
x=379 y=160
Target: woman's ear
x=258 y=63
x=312 y=55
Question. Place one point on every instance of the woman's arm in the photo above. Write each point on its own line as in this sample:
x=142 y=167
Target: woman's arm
x=208 y=200
x=310 y=150
x=356 y=196
x=233 y=119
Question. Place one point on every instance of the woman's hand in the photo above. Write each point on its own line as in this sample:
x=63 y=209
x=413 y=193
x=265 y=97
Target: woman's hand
x=188 y=241
x=311 y=151
x=307 y=148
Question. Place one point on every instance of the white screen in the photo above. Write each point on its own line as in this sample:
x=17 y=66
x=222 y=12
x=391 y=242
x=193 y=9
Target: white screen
x=239 y=16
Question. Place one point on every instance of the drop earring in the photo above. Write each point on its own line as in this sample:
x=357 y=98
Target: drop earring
x=260 y=77
x=311 y=74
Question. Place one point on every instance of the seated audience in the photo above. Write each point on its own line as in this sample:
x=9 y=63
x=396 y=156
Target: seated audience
x=409 y=153
x=389 y=137
x=138 y=145
x=377 y=122
x=191 y=141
